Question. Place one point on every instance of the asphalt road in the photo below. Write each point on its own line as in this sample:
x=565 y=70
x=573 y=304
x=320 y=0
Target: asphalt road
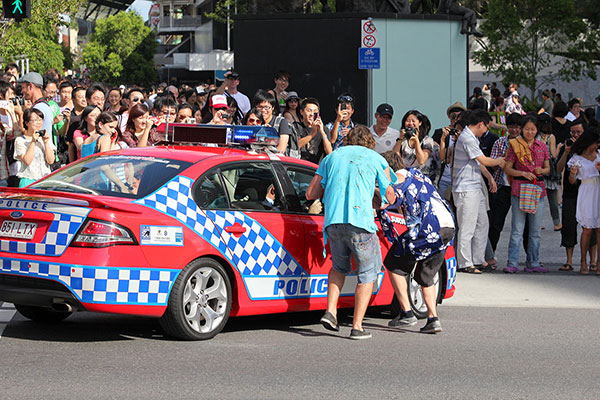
x=518 y=336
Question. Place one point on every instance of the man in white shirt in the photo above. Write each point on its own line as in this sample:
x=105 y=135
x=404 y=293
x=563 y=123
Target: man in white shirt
x=232 y=81
x=385 y=137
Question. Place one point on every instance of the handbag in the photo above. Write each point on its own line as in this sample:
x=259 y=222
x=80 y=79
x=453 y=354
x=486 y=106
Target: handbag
x=553 y=175
x=529 y=197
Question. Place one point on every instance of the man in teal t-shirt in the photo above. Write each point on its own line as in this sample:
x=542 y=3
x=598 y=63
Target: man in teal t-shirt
x=346 y=180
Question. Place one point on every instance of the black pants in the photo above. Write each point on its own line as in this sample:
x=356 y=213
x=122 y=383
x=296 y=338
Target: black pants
x=499 y=207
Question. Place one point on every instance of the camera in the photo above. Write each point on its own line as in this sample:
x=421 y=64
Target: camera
x=569 y=142
x=453 y=131
x=41 y=132
x=19 y=100
x=225 y=116
x=409 y=132
x=343 y=106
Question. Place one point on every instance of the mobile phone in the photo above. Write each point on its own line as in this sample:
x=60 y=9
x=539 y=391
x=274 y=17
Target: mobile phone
x=315 y=116
x=343 y=106
x=4 y=104
x=191 y=120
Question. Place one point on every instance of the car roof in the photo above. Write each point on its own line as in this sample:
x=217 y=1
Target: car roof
x=195 y=154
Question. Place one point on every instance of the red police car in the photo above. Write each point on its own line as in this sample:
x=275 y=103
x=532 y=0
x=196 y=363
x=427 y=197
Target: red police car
x=191 y=235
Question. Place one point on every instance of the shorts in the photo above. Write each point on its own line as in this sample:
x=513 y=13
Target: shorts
x=425 y=269
x=347 y=241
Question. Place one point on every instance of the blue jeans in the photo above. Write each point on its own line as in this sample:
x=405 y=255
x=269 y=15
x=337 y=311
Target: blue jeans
x=516 y=234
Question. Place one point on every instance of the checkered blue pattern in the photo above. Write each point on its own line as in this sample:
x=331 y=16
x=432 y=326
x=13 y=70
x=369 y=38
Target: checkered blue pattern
x=59 y=235
x=451 y=268
x=101 y=285
x=254 y=253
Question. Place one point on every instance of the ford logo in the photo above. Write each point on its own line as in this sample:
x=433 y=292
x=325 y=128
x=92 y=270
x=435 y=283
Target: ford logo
x=16 y=214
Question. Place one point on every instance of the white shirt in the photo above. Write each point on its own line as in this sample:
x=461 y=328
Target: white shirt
x=38 y=167
x=243 y=102
x=386 y=141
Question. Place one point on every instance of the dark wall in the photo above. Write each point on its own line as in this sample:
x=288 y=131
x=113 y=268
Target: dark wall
x=321 y=54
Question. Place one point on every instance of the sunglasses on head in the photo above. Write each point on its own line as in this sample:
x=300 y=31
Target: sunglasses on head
x=345 y=99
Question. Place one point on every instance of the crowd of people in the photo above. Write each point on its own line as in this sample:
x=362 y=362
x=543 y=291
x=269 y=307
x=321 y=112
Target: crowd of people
x=49 y=121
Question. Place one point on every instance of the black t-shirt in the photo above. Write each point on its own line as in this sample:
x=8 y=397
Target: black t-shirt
x=486 y=142
x=314 y=150
x=569 y=190
x=74 y=122
x=561 y=131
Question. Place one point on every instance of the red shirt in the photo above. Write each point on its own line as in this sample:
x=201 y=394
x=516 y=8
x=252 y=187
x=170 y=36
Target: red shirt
x=539 y=154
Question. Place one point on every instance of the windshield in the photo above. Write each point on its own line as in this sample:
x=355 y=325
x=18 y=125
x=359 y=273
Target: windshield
x=120 y=176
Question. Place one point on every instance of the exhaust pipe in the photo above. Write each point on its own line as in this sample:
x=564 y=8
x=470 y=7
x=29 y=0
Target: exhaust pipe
x=62 y=307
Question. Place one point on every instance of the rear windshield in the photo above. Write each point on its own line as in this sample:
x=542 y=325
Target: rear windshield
x=120 y=176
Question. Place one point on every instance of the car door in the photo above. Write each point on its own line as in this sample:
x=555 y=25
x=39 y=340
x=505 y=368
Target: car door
x=265 y=242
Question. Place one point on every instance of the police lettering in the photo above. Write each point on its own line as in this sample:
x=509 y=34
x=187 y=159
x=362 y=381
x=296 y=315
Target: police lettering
x=23 y=204
x=300 y=286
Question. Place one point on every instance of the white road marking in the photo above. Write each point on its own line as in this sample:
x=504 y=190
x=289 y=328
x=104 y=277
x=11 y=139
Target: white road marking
x=7 y=312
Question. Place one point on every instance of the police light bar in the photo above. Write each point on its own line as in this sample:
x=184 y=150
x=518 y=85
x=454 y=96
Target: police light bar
x=219 y=134
x=256 y=134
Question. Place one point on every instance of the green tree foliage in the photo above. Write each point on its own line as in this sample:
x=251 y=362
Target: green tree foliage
x=36 y=37
x=121 y=50
x=522 y=37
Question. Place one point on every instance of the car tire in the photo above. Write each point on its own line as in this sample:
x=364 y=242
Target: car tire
x=41 y=314
x=415 y=296
x=200 y=301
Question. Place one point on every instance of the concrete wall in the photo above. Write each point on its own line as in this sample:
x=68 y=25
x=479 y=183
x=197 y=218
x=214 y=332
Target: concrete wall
x=423 y=67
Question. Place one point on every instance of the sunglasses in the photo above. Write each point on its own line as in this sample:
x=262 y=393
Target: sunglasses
x=136 y=99
x=254 y=120
x=345 y=99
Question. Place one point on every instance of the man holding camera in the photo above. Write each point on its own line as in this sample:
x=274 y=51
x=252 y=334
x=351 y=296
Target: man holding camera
x=314 y=139
x=343 y=121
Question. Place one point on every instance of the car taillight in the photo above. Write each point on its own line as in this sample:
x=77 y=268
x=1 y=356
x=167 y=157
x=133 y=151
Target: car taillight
x=101 y=234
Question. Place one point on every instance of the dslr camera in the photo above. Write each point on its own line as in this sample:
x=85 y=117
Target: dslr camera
x=409 y=132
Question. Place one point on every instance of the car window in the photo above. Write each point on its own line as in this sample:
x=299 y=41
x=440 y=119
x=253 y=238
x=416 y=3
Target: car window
x=209 y=193
x=118 y=175
x=252 y=186
x=301 y=178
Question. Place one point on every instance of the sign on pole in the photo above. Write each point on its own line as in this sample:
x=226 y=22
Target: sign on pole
x=369 y=58
x=369 y=55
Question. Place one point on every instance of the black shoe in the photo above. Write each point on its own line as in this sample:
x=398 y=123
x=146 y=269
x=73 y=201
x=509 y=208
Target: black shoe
x=330 y=322
x=403 y=320
x=476 y=33
x=357 y=334
x=433 y=325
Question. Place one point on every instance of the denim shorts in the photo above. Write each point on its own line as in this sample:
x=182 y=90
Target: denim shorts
x=347 y=241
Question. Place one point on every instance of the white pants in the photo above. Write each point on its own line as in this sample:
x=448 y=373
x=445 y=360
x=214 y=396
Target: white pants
x=473 y=226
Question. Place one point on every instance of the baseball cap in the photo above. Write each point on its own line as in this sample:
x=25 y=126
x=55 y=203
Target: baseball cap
x=32 y=77
x=385 y=109
x=218 y=101
x=598 y=97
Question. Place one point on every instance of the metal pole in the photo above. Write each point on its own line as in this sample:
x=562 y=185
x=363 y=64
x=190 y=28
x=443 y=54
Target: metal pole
x=228 y=28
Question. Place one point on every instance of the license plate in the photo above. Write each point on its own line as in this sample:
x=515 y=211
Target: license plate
x=18 y=229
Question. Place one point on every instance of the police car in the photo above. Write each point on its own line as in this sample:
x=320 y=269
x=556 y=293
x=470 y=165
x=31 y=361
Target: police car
x=188 y=234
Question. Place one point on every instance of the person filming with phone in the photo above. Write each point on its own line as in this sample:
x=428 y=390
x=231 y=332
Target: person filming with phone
x=314 y=140
x=34 y=149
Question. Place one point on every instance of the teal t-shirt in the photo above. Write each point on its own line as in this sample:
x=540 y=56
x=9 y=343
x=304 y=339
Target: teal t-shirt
x=348 y=179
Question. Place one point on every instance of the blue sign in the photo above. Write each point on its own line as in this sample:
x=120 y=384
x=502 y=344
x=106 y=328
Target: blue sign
x=369 y=58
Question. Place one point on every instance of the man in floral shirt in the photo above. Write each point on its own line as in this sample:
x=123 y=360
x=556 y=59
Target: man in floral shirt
x=430 y=229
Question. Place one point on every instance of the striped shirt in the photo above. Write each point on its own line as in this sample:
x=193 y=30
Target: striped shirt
x=499 y=150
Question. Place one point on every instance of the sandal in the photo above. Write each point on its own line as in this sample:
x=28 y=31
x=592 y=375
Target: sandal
x=593 y=268
x=470 y=270
x=566 y=267
x=487 y=268
x=584 y=270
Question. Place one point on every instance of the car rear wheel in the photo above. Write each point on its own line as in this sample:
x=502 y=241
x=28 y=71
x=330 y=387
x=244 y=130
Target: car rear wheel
x=415 y=296
x=42 y=314
x=200 y=301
